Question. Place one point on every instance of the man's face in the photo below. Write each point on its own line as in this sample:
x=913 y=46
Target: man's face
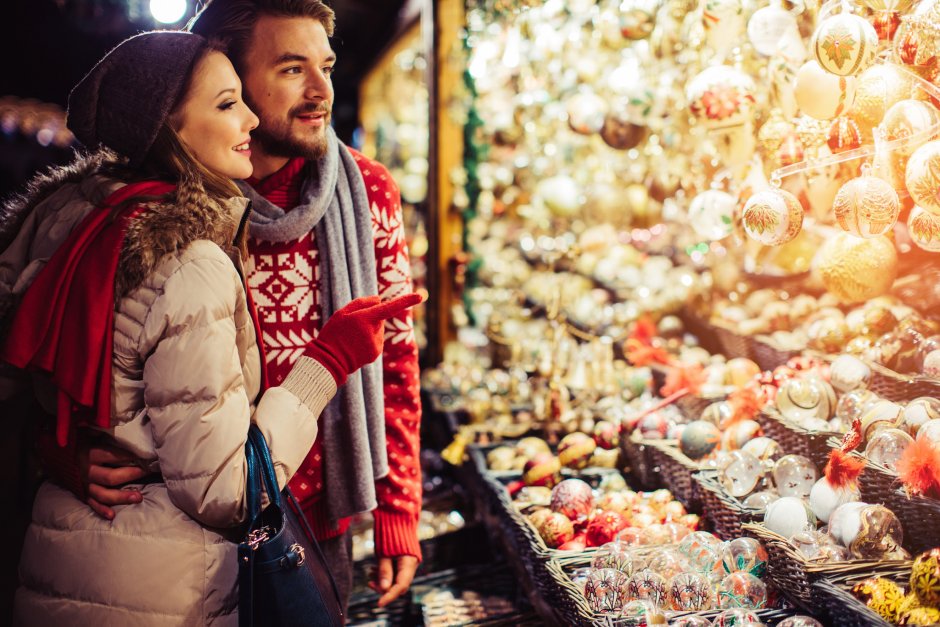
x=287 y=80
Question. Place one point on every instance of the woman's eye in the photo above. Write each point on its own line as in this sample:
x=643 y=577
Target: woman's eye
x=228 y=104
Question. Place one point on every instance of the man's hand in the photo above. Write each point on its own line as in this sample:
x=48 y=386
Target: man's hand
x=394 y=577
x=104 y=469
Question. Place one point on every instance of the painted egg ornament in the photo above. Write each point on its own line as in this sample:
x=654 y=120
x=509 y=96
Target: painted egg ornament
x=909 y=119
x=866 y=206
x=855 y=270
x=924 y=229
x=574 y=498
x=795 y=475
x=922 y=177
x=720 y=95
x=799 y=621
x=918 y=412
x=699 y=438
x=887 y=446
x=616 y=555
x=845 y=44
x=736 y=617
x=824 y=498
x=575 y=450
x=645 y=585
x=556 y=529
x=739 y=473
x=689 y=592
x=744 y=554
x=788 y=515
x=821 y=94
x=606 y=435
x=606 y=591
x=883 y=596
x=711 y=214
x=920 y=616
x=849 y=373
x=772 y=217
x=543 y=469
x=742 y=590
x=603 y=528
x=925 y=577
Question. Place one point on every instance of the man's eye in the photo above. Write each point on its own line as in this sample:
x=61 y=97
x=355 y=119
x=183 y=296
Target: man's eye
x=292 y=70
x=328 y=70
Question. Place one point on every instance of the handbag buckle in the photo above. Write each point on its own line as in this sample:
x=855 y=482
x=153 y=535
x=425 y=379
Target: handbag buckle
x=300 y=551
x=257 y=537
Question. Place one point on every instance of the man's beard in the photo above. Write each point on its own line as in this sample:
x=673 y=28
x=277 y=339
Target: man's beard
x=275 y=137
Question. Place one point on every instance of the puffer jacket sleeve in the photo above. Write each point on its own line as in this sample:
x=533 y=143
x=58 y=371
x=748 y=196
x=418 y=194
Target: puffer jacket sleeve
x=195 y=390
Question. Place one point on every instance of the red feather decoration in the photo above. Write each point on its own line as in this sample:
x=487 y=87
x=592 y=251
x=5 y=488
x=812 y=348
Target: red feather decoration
x=843 y=469
x=919 y=468
x=682 y=377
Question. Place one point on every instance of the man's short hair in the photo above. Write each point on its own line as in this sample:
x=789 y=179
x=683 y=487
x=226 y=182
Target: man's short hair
x=233 y=21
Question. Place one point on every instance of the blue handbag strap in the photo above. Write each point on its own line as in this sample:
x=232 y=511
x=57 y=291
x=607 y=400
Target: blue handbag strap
x=253 y=484
x=265 y=465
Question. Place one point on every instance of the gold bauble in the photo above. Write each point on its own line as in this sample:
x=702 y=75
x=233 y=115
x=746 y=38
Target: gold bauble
x=866 y=206
x=855 y=270
x=879 y=88
x=923 y=176
x=772 y=133
x=912 y=119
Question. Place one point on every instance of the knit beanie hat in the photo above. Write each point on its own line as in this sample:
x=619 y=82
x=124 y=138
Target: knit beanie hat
x=125 y=99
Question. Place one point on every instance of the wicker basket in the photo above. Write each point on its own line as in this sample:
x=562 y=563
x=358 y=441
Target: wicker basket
x=733 y=344
x=898 y=387
x=676 y=471
x=724 y=513
x=768 y=356
x=692 y=406
x=918 y=516
x=876 y=483
x=795 y=439
x=842 y=608
x=794 y=576
x=633 y=449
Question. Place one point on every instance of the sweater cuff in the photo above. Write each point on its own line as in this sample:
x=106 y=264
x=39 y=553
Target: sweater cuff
x=61 y=464
x=396 y=534
x=310 y=382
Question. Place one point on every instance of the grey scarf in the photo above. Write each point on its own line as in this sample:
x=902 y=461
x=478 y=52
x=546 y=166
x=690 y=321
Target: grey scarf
x=334 y=203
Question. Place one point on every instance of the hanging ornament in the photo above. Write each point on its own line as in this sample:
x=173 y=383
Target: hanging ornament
x=879 y=88
x=912 y=119
x=790 y=150
x=772 y=217
x=768 y=27
x=924 y=229
x=586 y=111
x=720 y=96
x=923 y=177
x=637 y=18
x=723 y=21
x=855 y=270
x=711 y=214
x=821 y=94
x=845 y=44
x=916 y=45
x=866 y=206
x=844 y=135
x=886 y=24
x=772 y=133
x=637 y=101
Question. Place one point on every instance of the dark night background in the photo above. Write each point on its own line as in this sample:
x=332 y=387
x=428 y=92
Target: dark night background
x=46 y=46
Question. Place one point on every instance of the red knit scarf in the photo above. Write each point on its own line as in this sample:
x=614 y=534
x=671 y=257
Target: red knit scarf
x=65 y=323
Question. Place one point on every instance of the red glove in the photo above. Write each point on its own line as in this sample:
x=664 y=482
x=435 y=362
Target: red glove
x=354 y=335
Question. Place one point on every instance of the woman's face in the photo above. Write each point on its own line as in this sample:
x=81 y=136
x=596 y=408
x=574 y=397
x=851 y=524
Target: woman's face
x=214 y=121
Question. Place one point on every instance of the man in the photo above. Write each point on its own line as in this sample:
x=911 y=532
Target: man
x=326 y=228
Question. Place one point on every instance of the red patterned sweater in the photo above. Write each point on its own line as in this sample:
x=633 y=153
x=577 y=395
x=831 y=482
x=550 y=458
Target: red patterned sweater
x=283 y=279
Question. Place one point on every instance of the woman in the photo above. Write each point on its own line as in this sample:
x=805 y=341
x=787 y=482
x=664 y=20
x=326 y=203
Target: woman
x=126 y=270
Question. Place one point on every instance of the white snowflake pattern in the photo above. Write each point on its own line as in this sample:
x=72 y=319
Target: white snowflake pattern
x=395 y=276
x=289 y=347
x=282 y=288
x=388 y=231
x=398 y=331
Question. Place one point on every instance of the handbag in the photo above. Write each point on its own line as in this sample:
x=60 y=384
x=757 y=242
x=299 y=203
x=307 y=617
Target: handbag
x=283 y=578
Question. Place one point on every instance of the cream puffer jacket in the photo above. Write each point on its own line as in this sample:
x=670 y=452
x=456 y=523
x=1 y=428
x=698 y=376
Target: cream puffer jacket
x=186 y=374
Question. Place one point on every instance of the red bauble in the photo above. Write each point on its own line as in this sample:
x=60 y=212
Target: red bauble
x=886 y=24
x=543 y=469
x=573 y=498
x=604 y=527
x=556 y=530
x=844 y=135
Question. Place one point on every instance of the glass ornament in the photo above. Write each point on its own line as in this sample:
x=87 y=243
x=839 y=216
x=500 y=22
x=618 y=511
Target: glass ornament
x=616 y=555
x=737 y=617
x=879 y=415
x=930 y=364
x=717 y=413
x=831 y=553
x=809 y=543
x=586 y=112
x=574 y=498
x=844 y=44
x=844 y=135
x=772 y=217
x=637 y=18
x=580 y=576
x=794 y=475
x=849 y=373
x=915 y=43
x=925 y=577
x=690 y=620
x=821 y=94
x=744 y=554
x=855 y=270
x=543 y=469
x=742 y=590
x=824 y=498
x=668 y=562
x=866 y=206
x=851 y=404
x=710 y=214
x=621 y=134
x=913 y=119
x=690 y=592
x=930 y=430
x=654 y=534
x=698 y=439
x=645 y=585
x=879 y=88
x=887 y=446
x=555 y=529
x=805 y=397
x=764 y=449
x=788 y=515
x=760 y=500
x=702 y=549
x=799 y=621
x=827 y=334
x=740 y=433
x=606 y=590
x=723 y=21
x=739 y=473
x=768 y=27
x=923 y=177
x=720 y=96
x=924 y=229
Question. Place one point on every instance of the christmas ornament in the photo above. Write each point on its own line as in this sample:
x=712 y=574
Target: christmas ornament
x=878 y=415
x=788 y=515
x=772 y=217
x=501 y=458
x=737 y=617
x=769 y=28
x=744 y=555
x=849 y=373
x=543 y=469
x=886 y=447
x=913 y=120
x=606 y=591
x=844 y=44
x=824 y=498
x=603 y=528
x=645 y=585
x=742 y=590
x=915 y=44
x=739 y=473
x=560 y=194
x=823 y=95
x=723 y=21
x=844 y=135
x=637 y=18
x=698 y=439
x=764 y=449
x=799 y=621
x=529 y=446
x=702 y=549
x=795 y=475
x=621 y=134
x=689 y=592
x=586 y=112
x=711 y=214
x=616 y=555
x=866 y=206
x=669 y=562
x=855 y=270
x=690 y=620
x=919 y=412
x=923 y=177
x=879 y=88
x=720 y=96
x=606 y=435
x=799 y=399
x=921 y=616
x=883 y=596
x=924 y=229
x=555 y=529
x=575 y=450
x=925 y=577
x=573 y=498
